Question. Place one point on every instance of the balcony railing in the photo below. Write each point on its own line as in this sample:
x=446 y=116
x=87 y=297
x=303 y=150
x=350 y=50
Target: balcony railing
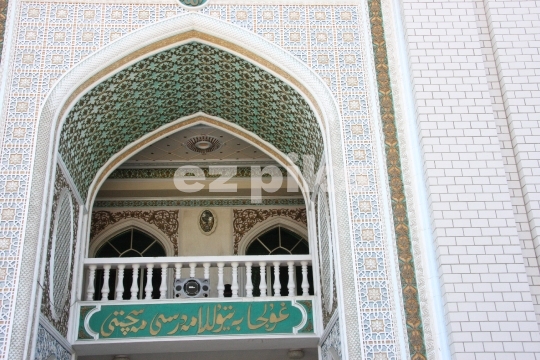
x=102 y=269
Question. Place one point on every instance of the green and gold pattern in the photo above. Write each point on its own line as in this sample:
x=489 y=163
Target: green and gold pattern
x=168 y=173
x=176 y=83
x=195 y=203
x=409 y=288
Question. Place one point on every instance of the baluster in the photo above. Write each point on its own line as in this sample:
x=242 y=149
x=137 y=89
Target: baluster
x=305 y=282
x=120 y=282
x=249 y=284
x=290 y=285
x=206 y=270
x=262 y=285
x=105 y=289
x=163 y=287
x=135 y=284
x=234 y=285
x=148 y=289
x=220 y=286
x=277 y=285
x=192 y=267
x=178 y=271
x=90 y=290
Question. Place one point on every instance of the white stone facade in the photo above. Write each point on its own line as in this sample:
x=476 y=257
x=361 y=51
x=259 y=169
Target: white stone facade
x=465 y=82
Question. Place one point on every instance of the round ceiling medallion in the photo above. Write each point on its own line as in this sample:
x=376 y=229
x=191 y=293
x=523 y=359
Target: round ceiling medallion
x=203 y=144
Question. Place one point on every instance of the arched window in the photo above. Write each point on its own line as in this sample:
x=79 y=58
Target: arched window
x=130 y=243
x=279 y=241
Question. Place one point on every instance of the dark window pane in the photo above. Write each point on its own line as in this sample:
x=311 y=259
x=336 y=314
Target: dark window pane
x=141 y=241
x=122 y=242
x=131 y=253
x=301 y=249
x=256 y=248
x=107 y=251
x=280 y=251
x=288 y=239
x=270 y=239
x=154 y=250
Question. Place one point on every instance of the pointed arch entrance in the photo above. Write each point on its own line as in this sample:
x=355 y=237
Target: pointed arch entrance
x=81 y=81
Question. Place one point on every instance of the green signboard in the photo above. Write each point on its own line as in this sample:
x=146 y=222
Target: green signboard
x=142 y=320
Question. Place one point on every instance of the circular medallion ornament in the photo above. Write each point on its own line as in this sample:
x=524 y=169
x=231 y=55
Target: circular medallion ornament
x=207 y=222
x=193 y=4
x=203 y=144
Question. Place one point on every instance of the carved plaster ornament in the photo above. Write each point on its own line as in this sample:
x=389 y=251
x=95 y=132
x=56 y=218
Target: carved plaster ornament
x=207 y=222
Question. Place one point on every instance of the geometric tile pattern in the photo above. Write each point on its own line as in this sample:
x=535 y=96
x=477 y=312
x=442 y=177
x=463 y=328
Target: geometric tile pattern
x=52 y=37
x=179 y=82
x=409 y=286
x=193 y=203
x=59 y=318
x=47 y=346
x=332 y=341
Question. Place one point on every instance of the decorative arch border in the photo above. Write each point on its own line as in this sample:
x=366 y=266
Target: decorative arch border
x=126 y=50
x=185 y=122
x=245 y=220
x=112 y=230
x=165 y=220
x=268 y=224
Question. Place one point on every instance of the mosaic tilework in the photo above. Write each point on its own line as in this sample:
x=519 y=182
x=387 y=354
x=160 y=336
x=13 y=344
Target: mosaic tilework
x=330 y=43
x=194 y=203
x=59 y=318
x=47 y=346
x=3 y=13
x=168 y=173
x=180 y=82
x=332 y=341
x=409 y=286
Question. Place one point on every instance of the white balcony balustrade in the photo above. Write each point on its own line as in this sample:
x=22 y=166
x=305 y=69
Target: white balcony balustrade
x=132 y=279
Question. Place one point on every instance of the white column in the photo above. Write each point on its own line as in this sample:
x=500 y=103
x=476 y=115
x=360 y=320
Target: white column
x=163 y=287
x=178 y=271
x=262 y=285
x=148 y=289
x=290 y=284
x=90 y=290
x=234 y=285
x=305 y=282
x=277 y=285
x=135 y=284
x=105 y=289
x=192 y=267
x=249 y=284
x=206 y=270
x=220 y=286
x=120 y=282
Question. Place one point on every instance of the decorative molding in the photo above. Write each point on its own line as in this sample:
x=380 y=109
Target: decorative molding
x=245 y=219
x=3 y=18
x=60 y=322
x=168 y=173
x=165 y=220
x=195 y=203
x=409 y=288
x=47 y=345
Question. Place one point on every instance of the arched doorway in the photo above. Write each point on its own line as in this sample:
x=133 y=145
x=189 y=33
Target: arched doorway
x=276 y=241
x=131 y=243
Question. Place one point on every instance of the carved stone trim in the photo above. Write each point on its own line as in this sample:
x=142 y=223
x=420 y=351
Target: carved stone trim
x=60 y=323
x=409 y=288
x=165 y=220
x=245 y=219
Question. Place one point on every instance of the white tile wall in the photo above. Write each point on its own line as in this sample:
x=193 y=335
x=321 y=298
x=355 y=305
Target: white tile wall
x=488 y=305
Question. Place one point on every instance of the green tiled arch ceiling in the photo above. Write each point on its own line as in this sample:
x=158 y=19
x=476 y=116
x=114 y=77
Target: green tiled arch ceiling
x=179 y=82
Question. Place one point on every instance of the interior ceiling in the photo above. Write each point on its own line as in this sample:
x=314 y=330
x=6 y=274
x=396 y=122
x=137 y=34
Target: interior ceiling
x=174 y=84
x=173 y=149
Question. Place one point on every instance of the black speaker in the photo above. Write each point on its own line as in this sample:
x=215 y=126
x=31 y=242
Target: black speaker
x=191 y=288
